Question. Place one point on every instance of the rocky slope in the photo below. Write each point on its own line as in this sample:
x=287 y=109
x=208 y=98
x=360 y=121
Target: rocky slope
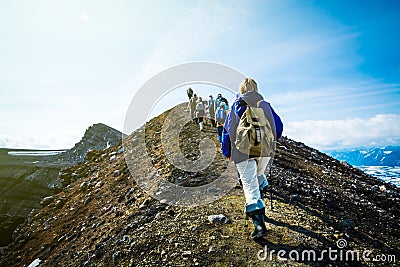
x=103 y=218
x=25 y=180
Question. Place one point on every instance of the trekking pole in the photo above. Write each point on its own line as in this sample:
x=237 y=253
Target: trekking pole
x=270 y=171
x=270 y=188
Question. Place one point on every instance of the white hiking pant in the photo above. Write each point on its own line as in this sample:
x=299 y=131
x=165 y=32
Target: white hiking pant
x=253 y=179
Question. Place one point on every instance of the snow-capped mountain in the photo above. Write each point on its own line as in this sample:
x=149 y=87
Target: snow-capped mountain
x=383 y=156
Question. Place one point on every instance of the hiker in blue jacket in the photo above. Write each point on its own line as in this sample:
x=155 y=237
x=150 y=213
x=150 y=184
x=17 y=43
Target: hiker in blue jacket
x=251 y=169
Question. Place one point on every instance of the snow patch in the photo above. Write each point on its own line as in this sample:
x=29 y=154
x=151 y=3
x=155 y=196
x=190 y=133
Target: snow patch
x=384 y=173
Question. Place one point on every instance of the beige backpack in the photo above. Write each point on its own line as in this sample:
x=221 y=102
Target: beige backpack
x=254 y=135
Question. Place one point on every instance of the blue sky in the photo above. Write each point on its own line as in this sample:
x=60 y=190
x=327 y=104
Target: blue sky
x=329 y=68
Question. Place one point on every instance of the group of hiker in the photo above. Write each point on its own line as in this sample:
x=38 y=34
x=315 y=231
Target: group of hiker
x=248 y=132
x=215 y=110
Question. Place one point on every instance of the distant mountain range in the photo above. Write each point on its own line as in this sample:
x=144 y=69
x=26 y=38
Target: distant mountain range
x=383 y=156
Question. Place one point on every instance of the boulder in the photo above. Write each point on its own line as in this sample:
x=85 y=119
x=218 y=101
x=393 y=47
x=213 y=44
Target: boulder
x=219 y=218
x=46 y=201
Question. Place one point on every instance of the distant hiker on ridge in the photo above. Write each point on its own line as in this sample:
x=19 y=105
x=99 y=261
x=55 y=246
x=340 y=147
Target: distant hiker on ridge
x=221 y=101
x=220 y=117
x=200 y=112
x=192 y=106
x=249 y=135
x=189 y=92
x=211 y=110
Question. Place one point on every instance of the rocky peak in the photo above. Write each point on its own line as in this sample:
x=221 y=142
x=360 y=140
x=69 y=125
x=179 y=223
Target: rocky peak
x=97 y=137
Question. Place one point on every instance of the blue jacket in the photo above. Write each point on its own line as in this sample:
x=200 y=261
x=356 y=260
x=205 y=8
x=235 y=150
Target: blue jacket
x=232 y=121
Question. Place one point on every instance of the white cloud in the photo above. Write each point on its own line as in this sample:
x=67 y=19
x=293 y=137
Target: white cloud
x=333 y=101
x=380 y=130
x=84 y=17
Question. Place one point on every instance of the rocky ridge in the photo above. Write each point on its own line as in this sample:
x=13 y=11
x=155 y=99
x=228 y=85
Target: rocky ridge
x=97 y=137
x=25 y=180
x=103 y=218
